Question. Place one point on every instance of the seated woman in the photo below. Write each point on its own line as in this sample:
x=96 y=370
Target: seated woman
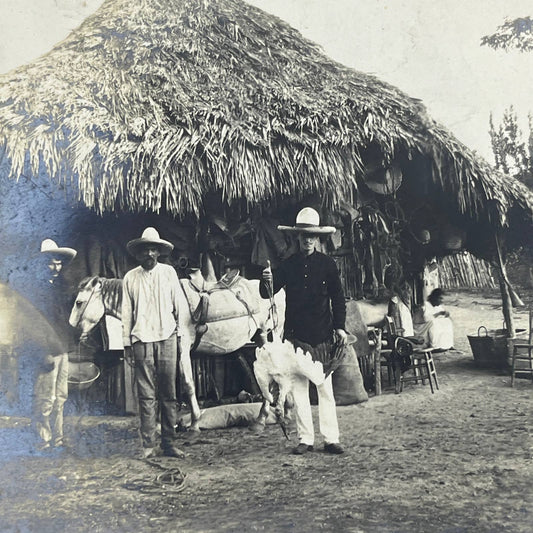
x=433 y=323
x=400 y=310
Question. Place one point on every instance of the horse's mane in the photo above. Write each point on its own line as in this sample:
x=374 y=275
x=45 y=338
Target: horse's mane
x=108 y=283
x=111 y=284
x=111 y=292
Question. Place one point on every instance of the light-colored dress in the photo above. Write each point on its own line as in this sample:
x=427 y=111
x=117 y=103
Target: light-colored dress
x=437 y=331
x=402 y=315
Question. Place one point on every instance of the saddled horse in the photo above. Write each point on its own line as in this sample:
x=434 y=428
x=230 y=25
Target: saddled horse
x=232 y=311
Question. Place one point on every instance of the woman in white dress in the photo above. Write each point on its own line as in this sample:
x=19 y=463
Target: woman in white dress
x=399 y=310
x=434 y=324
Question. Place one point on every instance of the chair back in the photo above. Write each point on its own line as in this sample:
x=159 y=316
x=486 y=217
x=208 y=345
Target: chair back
x=389 y=331
x=390 y=327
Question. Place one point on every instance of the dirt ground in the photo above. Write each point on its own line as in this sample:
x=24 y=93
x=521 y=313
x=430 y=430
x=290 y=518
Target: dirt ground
x=459 y=460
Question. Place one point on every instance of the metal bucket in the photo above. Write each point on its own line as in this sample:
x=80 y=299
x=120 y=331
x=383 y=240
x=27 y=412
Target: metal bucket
x=81 y=375
x=82 y=372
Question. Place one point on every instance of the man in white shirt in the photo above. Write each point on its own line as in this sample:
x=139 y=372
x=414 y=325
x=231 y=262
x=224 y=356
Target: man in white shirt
x=150 y=333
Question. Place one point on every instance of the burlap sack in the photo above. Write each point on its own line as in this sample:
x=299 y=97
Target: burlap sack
x=348 y=385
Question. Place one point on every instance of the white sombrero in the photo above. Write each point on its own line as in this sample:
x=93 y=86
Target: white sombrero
x=150 y=236
x=48 y=246
x=308 y=221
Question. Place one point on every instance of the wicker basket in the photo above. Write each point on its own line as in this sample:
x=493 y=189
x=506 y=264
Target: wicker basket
x=489 y=351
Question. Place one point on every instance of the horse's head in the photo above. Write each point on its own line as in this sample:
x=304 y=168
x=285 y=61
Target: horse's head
x=89 y=307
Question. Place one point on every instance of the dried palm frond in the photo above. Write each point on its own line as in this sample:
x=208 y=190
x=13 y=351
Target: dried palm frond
x=153 y=104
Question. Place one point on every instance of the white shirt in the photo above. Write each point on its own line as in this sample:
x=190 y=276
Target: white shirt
x=149 y=304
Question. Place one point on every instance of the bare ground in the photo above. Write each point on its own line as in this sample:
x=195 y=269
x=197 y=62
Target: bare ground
x=459 y=460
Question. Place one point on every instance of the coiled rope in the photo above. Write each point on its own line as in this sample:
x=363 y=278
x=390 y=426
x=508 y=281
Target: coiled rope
x=171 y=480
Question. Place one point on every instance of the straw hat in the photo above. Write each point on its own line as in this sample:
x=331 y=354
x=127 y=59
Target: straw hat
x=48 y=246
x=308 y=221
x=150 y=236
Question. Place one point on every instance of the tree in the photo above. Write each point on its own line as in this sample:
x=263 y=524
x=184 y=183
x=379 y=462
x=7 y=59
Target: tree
x=511 y=153
x=512 y=34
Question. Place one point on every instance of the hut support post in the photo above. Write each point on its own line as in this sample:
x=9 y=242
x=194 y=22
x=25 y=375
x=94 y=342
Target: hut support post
x=507 y=304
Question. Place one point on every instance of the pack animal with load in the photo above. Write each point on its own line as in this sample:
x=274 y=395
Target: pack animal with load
x=215 y=318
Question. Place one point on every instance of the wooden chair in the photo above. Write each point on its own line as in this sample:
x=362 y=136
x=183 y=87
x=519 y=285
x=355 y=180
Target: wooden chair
x=423 y=368
x=391 y=334
x=385 y=361
x=422 y=364
x=522 y=358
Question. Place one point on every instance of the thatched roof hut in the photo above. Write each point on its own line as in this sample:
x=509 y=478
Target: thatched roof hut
x=152 y=104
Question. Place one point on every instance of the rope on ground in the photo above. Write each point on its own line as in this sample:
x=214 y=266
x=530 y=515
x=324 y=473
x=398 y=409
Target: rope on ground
x=171 y=480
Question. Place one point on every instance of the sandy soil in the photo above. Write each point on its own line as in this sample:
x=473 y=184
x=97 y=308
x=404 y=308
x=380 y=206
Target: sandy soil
x=459 y=460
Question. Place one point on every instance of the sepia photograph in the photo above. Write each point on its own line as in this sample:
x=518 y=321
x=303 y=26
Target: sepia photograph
x=266 y=265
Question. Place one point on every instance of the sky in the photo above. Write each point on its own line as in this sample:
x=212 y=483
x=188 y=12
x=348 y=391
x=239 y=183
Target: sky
x=428 y=49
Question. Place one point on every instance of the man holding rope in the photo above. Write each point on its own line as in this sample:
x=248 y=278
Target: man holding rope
x=315 y=318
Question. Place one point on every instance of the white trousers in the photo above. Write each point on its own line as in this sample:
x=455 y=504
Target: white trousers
x=50 y=394
x=327 y=411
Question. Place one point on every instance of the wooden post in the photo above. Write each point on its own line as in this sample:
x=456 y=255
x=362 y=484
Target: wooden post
x=377 y=360
x=507 y=304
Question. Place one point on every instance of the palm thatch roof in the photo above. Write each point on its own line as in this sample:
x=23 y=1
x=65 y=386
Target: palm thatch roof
x=152 y=104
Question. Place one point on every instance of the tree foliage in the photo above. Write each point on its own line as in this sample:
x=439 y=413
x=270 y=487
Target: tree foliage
x=514 y=34
x=512 y=154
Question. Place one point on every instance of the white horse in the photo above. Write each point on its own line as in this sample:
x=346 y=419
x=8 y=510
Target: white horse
x=234 y=312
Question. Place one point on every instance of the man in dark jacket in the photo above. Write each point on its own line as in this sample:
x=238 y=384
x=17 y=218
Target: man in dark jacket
x=315 y=318
x=50 y=392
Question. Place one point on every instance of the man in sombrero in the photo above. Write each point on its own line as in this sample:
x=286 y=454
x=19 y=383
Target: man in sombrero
x=52 y=298
x=315 y=318
x=150 y=336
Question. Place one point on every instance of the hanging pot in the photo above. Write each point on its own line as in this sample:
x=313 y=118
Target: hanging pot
x=423 y=236
x=453 y=239
x=384 y=180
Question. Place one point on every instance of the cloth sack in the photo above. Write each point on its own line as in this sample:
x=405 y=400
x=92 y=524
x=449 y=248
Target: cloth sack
x=226 y=416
